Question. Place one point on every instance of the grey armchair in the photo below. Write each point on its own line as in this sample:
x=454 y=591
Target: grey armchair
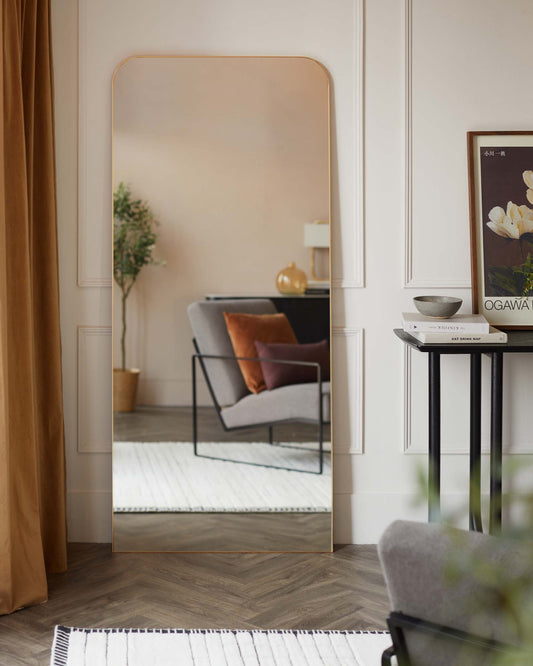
x=440 y=621
x=236 y=407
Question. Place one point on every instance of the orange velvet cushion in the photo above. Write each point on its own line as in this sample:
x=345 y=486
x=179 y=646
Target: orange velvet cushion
x=245 y=329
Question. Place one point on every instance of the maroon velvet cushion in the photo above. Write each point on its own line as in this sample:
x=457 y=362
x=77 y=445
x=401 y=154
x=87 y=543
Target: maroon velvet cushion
x=280 y=374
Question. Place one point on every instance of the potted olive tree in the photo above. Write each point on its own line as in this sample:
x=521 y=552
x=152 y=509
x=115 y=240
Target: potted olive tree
x=134 y=238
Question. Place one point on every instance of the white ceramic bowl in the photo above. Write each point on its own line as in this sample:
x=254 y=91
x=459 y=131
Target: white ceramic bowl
x=439 y=307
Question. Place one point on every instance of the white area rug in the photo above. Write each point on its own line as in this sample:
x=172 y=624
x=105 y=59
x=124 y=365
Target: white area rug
x=173 y=647
x=167 y=476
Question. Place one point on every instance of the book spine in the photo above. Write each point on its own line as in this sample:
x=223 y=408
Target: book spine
x=448 y=338
x=444 y=327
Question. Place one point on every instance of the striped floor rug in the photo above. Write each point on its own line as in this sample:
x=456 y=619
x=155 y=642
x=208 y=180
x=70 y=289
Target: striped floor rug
x=173 y=647
x=167 y=476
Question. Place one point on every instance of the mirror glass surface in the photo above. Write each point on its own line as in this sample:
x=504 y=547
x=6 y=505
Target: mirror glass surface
x=221 y=173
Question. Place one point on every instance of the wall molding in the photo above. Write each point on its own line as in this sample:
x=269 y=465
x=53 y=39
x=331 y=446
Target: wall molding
x=355 y=339
x=85 y=277
x=84 y=442
x=359 y=151
x=353 y=336
x=410 y=279
x=408 y=149
x=359 y=255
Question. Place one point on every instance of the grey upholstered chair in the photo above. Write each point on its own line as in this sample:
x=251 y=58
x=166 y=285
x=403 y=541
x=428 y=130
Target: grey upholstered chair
x=442 y=619
x=235 y=405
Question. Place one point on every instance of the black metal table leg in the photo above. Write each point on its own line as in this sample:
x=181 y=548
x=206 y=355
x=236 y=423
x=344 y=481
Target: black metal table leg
x=434 y=437
x=496 y=410
x=475 y=523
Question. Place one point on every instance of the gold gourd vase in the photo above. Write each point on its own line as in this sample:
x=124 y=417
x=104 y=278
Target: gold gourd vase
x=291 y=280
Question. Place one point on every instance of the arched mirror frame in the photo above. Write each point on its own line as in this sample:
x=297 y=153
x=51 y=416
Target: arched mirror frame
x=329 y=140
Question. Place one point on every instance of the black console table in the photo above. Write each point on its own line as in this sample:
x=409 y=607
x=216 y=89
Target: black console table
x=518 y=342
x=308 y=313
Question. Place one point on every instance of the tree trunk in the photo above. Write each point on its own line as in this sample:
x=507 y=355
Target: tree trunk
x=123 y=338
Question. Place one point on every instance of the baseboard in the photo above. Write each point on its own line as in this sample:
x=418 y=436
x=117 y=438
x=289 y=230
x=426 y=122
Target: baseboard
x=89 y=516
x=359 y=518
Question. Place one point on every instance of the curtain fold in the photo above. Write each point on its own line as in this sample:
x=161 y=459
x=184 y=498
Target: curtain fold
x=32 y=459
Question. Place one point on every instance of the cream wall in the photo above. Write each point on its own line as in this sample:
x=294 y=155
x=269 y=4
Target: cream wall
x=232 y=156
x=431 y=71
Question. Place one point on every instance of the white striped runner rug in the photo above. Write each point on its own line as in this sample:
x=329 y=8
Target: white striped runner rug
x=206 y=647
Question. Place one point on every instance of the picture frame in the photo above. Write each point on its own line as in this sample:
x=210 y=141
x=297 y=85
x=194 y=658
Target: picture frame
x=500 y=176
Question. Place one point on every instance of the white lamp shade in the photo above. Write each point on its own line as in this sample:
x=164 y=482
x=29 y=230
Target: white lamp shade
x=316 y=235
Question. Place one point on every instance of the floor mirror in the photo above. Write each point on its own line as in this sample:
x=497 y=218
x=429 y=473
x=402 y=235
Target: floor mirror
x=221 y=305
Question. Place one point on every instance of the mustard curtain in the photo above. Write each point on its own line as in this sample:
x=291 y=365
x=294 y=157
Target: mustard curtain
x=32 y=465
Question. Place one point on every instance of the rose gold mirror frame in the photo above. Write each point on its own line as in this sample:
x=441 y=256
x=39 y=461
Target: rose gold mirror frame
x=326 y=74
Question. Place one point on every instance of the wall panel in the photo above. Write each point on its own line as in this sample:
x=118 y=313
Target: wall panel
x=94 y=388
x=348 y=408
x=456 y=79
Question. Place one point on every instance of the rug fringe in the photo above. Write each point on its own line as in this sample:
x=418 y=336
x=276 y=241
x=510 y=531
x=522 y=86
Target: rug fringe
x=168 y=630
x=60 y=645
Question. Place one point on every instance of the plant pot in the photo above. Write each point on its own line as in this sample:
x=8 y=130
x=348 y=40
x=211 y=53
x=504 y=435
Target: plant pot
x=125 y=389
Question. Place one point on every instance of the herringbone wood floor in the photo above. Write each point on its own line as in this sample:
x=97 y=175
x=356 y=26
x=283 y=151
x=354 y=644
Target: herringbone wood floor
x=340 y=590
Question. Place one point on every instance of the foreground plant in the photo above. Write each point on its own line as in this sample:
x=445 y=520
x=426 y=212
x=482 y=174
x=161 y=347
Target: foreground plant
x=506 y=591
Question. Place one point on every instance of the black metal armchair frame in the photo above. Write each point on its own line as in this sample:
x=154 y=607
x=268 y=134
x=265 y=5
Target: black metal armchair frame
x=320 y=416
x=399 y=622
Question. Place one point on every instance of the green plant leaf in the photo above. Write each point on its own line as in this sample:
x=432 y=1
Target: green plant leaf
x=512 y=280
x=134 y=238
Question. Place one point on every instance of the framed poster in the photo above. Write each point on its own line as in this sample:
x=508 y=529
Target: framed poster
x=500 y=170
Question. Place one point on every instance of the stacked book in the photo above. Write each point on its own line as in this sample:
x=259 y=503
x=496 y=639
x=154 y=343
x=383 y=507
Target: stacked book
x=461 y=329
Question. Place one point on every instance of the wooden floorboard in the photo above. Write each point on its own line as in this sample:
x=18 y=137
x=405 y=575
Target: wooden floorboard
x=340 y=590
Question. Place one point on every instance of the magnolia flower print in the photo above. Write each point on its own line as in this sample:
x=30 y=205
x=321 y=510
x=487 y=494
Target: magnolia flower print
x=513 y=222
x=528 y=180
x=516 y=220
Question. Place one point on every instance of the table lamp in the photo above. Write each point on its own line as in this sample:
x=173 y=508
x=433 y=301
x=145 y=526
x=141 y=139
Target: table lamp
x=316 y=235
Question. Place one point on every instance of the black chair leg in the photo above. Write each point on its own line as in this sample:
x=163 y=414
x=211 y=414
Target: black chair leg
x=271 y=434
x=194 y=414
x=321 y=446
x=386 y=657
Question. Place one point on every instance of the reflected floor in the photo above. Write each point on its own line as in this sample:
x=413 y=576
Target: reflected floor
x=174 y=424
x=226 y=532
x=223 y=532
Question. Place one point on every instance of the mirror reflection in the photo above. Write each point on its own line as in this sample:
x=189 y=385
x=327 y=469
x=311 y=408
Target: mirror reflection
x=221 y=308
